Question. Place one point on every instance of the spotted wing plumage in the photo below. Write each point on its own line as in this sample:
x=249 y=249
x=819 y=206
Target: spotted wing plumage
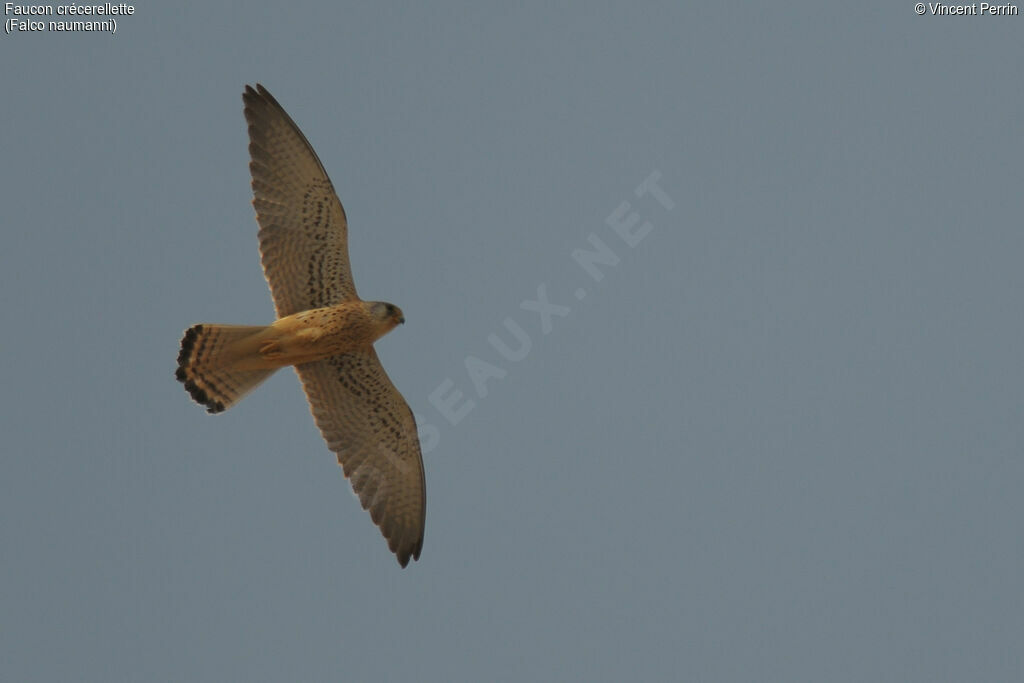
x=368 y=424
x=303 y=230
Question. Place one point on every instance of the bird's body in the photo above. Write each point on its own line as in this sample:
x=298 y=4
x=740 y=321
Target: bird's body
x=213 y=351
x=322 y=332
x=323 y=329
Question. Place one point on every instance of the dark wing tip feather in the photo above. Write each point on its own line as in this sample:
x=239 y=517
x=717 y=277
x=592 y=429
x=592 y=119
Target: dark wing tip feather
x=259 y=105
x=405 y=551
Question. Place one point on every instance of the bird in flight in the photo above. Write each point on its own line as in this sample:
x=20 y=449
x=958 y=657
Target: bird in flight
x=323 y=329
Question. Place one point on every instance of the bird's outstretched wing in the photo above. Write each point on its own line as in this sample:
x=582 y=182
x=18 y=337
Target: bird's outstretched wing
x=368 y=424
x=303 y=231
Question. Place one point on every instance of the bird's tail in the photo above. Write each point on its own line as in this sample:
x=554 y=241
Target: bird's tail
x=211 y=364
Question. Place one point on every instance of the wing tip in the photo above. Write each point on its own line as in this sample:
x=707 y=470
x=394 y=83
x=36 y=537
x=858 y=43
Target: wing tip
x=403 y=556
x=253 y=97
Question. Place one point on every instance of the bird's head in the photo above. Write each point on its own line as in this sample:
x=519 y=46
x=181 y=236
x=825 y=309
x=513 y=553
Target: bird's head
x=387 y=315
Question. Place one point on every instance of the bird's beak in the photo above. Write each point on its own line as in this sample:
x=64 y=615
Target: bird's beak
x=401 y=320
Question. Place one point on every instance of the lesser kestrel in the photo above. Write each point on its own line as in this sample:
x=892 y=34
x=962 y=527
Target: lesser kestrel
x=323 y=329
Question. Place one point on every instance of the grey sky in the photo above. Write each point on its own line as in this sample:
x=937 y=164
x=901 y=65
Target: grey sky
x=779 y=440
